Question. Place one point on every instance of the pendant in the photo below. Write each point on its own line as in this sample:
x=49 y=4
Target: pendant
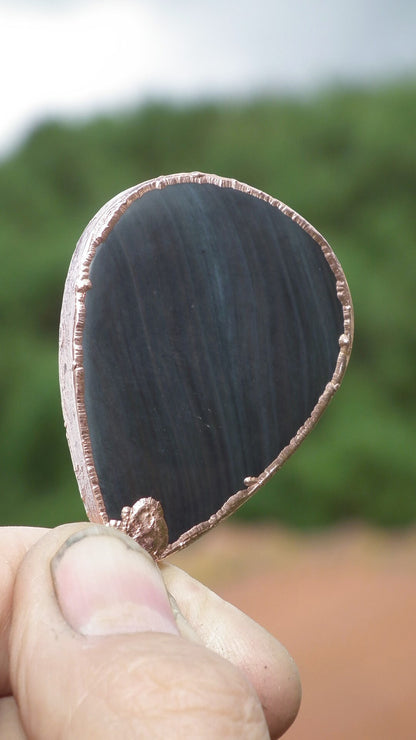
x=205 y=327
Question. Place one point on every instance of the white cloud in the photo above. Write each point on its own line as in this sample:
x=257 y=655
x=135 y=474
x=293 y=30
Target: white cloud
x=74 y=58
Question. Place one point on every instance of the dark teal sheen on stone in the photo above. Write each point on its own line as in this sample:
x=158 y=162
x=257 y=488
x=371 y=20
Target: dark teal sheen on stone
x=212 y=329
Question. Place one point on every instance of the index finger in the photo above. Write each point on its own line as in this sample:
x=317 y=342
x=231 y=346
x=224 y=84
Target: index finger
x=230 y=633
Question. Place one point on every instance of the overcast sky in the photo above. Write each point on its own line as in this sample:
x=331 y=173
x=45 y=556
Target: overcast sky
x=76 y=57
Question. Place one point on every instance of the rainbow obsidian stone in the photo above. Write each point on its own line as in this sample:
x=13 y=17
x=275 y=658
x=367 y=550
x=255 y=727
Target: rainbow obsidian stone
x=205 y=327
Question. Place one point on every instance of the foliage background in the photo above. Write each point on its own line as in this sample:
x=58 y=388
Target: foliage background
x=346 y=160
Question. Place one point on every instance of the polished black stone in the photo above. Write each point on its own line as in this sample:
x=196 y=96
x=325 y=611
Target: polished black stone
x=212 y=328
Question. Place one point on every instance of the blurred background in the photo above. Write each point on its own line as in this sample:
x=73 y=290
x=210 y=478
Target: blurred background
x=315 y=103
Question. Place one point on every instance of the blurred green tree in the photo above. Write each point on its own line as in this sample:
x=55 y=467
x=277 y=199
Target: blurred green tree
x=346 y=160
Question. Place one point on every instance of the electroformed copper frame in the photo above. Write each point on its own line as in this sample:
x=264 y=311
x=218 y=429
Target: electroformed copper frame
x=144 y=521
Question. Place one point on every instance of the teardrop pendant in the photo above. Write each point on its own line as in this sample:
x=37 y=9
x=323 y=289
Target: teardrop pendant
x=205 y=327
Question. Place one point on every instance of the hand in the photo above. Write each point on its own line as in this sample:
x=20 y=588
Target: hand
x=99 y=642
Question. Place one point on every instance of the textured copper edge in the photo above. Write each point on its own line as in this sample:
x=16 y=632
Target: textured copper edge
x=145 y=522
x=71 y=371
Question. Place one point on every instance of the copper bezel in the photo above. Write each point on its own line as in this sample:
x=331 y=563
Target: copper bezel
x=71 y=372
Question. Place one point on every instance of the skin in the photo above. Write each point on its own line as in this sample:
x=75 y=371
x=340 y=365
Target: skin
x=97 y=641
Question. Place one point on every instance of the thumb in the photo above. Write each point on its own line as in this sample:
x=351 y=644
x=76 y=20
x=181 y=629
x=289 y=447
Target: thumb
x=95 y=651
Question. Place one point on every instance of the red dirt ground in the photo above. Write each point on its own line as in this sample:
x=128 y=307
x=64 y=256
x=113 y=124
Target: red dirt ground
x=343 y=603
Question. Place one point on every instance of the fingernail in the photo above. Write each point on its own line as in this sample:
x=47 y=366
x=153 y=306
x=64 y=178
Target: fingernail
x=183 y=626
x=106 y=584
